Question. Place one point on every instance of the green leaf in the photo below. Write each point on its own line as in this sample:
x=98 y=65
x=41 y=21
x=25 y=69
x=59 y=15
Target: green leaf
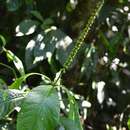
x=47 y=23
x=40 y=110
x=18 y=82
x=9 y=99
x=112 y=44
x=105 y=42
x=13 y=5
x=45 y=48
x=68 y=124
x=90 y=61
x=64 y=46
x=35 y=51
x=17 y=62
x=73 y=110
x=44 y=44
x=40 y=48
x=37 y=15
x=26 y=27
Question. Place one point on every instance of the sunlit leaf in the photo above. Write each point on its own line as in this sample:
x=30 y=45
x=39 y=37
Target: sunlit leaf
x=64 y=47
x=44 y=44
x=40 y=110
x=38 y=49
x=26 y=27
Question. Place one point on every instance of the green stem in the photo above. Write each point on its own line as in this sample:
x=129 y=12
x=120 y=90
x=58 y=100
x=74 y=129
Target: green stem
x=83 y=35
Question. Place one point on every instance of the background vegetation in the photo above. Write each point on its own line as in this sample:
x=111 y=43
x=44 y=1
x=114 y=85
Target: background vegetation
x=43 y=32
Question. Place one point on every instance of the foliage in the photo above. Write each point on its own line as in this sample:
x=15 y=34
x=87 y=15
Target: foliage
x=57 y=71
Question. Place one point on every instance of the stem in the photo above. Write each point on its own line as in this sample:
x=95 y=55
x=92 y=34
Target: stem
x=83 y=35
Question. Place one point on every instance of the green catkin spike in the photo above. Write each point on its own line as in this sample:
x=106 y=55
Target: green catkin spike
x=82 y=36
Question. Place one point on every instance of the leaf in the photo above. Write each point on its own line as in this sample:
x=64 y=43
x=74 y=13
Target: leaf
x=13 y=5
x=47 y=23
x=44 y=44
x=40 y=110
x=8 y=100
x=26 y=27
x=73 y=110
x=37 y=50
x=105 y=42
x=29 y=55
x=64 y=47
x=18 y=82
x=90 y=61
x=17 y=62
x=45 y=48
x=37 y=15
x=68 y=124
x=113 y=44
